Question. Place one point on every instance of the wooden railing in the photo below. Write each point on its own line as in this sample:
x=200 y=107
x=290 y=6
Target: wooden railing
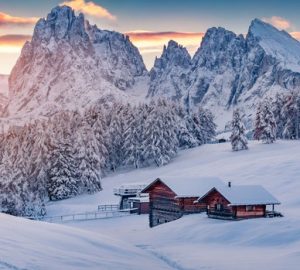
x=108 y=207
x=221 y=213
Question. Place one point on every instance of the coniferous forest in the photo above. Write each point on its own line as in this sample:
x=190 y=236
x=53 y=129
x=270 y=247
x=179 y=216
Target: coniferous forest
x=69 y=153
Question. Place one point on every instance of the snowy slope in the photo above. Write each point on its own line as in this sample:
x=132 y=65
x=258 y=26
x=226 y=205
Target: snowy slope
x=35 y=245
x=196 y=242
x=278 y=44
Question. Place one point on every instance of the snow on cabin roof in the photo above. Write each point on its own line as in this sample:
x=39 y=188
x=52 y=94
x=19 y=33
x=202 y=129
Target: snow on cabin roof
x=133 y=186
x=246 y=195
x=189 y=186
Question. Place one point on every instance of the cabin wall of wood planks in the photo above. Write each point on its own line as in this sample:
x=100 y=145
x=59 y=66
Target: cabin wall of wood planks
x=215 y=198
x=166 y=207
x=257 y=211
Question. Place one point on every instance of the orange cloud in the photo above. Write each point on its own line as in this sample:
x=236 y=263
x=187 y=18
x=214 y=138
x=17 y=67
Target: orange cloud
x=90 y=8
x=295 y=35
x=151 y=42
x=8 y=20
x=12 y=43
x=278 y=22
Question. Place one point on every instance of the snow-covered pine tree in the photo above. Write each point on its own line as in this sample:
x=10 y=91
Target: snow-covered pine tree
x=160 y=142
x=207 y=125
x=238 y=138
x=184 y=136
x=277 y=105
x=291 y=114
x=134 y=136
x=258 y=125
x=268 y=123
x=88 y=159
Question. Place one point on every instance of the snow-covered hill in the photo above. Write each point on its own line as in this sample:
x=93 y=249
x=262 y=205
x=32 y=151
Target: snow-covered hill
x=33 y=245
x=70 y=64
x=196 y=242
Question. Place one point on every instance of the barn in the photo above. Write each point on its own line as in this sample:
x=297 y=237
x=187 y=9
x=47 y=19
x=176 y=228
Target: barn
x=172 y=197
x=239 y=202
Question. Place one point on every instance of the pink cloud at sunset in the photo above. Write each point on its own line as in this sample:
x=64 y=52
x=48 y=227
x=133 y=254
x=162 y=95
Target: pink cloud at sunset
x=9 y=20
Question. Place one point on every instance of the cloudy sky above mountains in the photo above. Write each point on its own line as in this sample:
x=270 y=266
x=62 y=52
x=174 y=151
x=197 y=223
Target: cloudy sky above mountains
x=150 y=24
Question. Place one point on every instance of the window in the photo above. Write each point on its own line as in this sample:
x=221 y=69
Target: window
x=250 y=208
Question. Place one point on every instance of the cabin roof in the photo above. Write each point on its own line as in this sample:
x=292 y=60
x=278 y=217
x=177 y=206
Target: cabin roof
x=245 y=195
x=188 y=186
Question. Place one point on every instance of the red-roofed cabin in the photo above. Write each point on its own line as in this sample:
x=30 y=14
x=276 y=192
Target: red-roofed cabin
x=172 y=198
x=239 y=202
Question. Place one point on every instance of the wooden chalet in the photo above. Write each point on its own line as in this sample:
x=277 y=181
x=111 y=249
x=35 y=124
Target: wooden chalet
x=239 y=202
x=173 y=197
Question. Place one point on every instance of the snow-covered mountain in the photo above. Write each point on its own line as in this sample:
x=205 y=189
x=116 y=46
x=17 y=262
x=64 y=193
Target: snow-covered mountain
x=168 y=77
x=229 y=70
x=69 y=64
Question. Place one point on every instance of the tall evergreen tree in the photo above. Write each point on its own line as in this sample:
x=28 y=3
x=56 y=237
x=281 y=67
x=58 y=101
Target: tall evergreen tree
x=238 y=138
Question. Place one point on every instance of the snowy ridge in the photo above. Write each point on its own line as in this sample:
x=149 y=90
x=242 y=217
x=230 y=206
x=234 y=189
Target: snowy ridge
x=278 y=44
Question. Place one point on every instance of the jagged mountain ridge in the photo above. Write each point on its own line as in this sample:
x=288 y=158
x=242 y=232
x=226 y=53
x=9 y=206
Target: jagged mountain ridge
x=70 y=64
x=230 y=70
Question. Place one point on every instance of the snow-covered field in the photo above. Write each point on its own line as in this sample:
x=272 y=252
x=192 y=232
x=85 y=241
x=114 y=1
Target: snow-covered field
x=193 y=242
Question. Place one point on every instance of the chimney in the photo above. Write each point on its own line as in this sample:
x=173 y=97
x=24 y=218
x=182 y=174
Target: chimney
x=229 y=184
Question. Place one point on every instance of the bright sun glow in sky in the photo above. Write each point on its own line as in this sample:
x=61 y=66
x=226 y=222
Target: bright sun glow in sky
x=183 y=21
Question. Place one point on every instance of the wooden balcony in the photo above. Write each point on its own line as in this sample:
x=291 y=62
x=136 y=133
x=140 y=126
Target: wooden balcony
x=221 y=214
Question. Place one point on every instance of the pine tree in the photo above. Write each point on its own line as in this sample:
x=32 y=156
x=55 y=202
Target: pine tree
x=160 y=141
x=238 y=138
x=268 y=123
x=258 y=123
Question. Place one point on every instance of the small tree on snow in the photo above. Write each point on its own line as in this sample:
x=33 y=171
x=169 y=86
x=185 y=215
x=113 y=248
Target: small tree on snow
x=238 y=138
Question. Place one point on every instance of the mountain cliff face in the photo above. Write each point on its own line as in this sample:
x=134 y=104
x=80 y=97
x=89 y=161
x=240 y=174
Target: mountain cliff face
x=229 y=70
x=168 y=77
x=69 y=64
x=3 y=91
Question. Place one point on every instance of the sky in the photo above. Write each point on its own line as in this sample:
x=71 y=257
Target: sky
x=149 y=24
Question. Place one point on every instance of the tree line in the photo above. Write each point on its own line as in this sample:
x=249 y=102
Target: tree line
x=69 y=153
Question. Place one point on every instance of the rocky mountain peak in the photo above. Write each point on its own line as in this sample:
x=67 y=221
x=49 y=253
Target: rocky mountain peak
x=70 y=64
x=219 y=47
x=173 y=55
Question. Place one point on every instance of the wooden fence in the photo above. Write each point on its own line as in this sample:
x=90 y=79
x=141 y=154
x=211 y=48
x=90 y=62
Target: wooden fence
x=88 y=216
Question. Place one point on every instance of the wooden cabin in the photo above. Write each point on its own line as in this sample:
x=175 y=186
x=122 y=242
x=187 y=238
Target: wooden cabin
x=173 y=197
x=127 y=191
x=239 y=202
x=140 y=204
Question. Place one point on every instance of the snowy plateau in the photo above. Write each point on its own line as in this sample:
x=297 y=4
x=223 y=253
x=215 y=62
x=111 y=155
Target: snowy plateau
x=193 y=242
